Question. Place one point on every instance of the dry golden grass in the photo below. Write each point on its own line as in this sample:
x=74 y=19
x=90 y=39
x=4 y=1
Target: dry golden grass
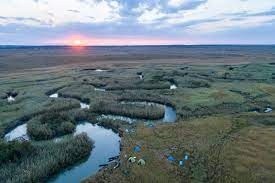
x=176 y=139
x=252 y=155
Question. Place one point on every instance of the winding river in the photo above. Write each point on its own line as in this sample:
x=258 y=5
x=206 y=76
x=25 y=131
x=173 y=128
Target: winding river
x=107 y=144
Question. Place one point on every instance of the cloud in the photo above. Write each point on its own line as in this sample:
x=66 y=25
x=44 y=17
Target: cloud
x=185 y=4
x=244 y=14
x=173 y=19
x=19 y=20
x=60 y=12
x=74 y=11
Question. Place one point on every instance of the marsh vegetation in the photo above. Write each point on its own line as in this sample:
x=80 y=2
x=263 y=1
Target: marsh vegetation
x=50 y=125
x=43 y=160
x=220 y=110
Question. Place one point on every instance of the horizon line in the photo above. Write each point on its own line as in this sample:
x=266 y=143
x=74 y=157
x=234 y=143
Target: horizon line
x=67 y=45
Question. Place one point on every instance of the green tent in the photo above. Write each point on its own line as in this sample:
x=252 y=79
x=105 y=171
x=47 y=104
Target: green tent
x=132 y=159
x=141 y=162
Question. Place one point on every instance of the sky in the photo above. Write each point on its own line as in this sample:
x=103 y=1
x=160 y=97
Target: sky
x=136 y=22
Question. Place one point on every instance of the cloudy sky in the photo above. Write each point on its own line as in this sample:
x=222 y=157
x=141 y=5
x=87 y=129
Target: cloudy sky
x=126 y=22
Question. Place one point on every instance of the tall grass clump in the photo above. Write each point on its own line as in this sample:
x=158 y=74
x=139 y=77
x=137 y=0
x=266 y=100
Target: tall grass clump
x=54 y=90
x=75 y=96
x=148 y=85
x=46 y=160
x=144 y=97
x=128 y=110
x=14 y=151
x=50 y=125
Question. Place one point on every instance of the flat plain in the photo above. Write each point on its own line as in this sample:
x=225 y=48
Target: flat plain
x=222 y=96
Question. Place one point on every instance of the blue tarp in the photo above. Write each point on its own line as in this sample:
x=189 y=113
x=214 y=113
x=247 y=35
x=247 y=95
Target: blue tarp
x=170 y=158
x=137 y=149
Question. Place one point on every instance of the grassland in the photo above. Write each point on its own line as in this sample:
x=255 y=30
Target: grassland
x=217 y=126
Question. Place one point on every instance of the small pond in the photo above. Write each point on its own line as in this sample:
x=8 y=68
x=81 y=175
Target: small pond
x=10 y=99
x=84 y=106
x=170 y=114
x=100 y=89
x=55 y=95
x=107 y=145
x=20 y=132
x=101 y=70
x=173 y=87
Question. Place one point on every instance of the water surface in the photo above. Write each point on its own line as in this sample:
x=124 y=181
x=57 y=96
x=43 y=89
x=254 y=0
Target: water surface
x=170 y=114
x=55 y=95
x=106 y=146
x=84 y=105
x=18 y=132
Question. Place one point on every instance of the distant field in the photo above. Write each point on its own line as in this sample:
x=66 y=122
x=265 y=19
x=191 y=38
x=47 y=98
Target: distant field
x=14 y=58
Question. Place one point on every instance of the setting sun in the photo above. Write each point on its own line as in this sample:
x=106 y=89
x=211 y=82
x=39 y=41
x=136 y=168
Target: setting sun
x=78 y=42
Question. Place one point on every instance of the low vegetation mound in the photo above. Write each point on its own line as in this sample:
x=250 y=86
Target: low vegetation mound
x=46 y=159
x=50 y=125
x=140 y=85
x=128 y=110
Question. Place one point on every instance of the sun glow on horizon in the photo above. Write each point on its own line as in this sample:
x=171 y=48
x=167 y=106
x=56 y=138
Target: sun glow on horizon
x=83 y=40
x=78 y=42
